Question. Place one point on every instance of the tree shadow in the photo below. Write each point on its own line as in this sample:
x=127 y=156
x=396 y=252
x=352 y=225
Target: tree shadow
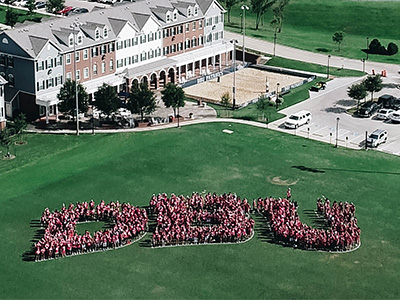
x=346 y=102
x=323 y=170
x=308 y=169
x=335 y=110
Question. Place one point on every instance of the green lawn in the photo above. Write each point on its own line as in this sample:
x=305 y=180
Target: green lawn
x=23 y=15
x=310 y=24
x=309 y=67
x=55 y=169
x=251 y=112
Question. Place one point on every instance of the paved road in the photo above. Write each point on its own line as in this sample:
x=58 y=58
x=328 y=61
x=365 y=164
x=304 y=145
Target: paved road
x=317 y=58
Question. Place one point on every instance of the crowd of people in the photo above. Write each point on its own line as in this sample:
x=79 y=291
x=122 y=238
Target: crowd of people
x=343 y=233
x=200 y=219
x=61 y=238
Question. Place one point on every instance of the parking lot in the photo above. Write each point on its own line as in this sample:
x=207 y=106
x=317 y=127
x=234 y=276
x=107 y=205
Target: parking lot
x=327 y=105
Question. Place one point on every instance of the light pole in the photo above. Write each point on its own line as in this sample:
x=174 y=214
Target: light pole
x=244 y=8
x=277 y=94
x=363 y=61
x=274 y=42
x=73 y=26
x=234 y=42
x=327 y=69
x=367 y=46
x=337 y=131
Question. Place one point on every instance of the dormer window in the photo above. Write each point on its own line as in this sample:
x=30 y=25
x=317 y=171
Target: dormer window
x=71 y=40
x=168 y=17
x=105 y=32
x=79 y=39
x=97 y=34
x=196 y=10
x=189 y=11
x=175 y=15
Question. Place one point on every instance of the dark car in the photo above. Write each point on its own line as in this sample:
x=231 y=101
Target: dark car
x=386 y=101
x=40 y=4
x=396 y=104
x=77 y=10
x=367 y=109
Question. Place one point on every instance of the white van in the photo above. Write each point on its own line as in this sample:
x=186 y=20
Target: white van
x=298 y=119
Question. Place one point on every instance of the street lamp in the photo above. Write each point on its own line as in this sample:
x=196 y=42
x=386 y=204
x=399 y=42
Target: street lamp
x=74 y=26
x=363 y=61
x=367 y=46
x=234 y=42
x=244 y=8
x=277 y=94
x=327 y=70
x=337 y=131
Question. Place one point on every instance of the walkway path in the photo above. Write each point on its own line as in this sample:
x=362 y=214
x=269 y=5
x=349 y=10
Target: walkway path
x=311 y=57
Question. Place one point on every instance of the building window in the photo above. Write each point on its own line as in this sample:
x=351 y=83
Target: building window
x=49 y=63
x=68 y=75
x=194 y=40
x=136 y=58
x=2 y=60
x=79 y=39
x=86 y=72
x=209 y=38
x=11 y=80
x=216 y=19
x=10 y=61
x=209 y=22
x=111 y=65
x=105 y=32
x=68 y=59
x=143 y=56
x=59 y=79
x=194 y=25
x=196 y=10
x=120 y=63
x=40 y=65
x=104 y=49
x=95 y=69
x=77 y=56
x=103 y=67
x=59 y=60
x=71 y=40
x=127 y=43
x=187 y=44
x=49 y=83
x=187 y=27
x=95 y=51
x=168 y=17
x=97 y=34
x=189 y=11
x=180 y=29
x=175 y=16
x=119 y=45
x=78 y=75
x=200 y=23
x=85 y=54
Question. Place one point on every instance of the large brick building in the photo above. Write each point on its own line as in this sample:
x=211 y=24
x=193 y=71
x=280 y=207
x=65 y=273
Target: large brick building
x=157 y=41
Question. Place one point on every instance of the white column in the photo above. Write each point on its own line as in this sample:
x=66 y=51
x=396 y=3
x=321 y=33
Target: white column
x=56 y=112
x=47 y=114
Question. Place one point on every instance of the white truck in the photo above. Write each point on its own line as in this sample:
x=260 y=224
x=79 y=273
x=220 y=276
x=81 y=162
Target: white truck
x=298 y=119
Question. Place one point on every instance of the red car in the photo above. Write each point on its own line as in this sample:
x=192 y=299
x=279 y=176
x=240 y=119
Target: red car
x=65 y=10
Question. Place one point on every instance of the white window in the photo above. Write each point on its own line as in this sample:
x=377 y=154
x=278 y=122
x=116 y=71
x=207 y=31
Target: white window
x=59 y=60
x=194 y=25
x=136 y=58
x=85 y=54
x=59 y=79
x=68 y=59
x=168 y=17
x=120 y=63
x=95 y=69
x=187 y=27
x=71 y=40
x=216 y=19
x=189 y=11
x=49 y=63
x=78 y=56
x=86 y=72
x=194 y=42
x=68 y=75
x=196 y=10
x=41 y=85
x=200 y=23
x=103 y=67
x=111 y=65
x=119 y=45
x=97 y=34
x=103 y=49
x=105 y=32
x=175 y=15
x=78 y=75
x=79 y=39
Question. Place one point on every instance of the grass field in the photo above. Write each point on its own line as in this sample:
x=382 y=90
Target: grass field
x=22 y=15
x=310 y=24
x=51 y=170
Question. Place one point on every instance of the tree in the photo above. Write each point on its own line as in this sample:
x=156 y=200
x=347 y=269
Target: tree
x=67 y=99
x=226 y=101
x=338 y=38
x=141 y=100
x=262 y=104
x=173 y=96
x=20 y=125
x=54 y=6
x=107 y=99
x=259 y=7
x=373 y=84
x=6 y=137
x=229 y=4
x=11 y=17
x=278 y=15
x=357 y=92
x=31 y=6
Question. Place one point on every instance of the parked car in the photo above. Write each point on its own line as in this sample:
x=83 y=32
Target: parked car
x=298 y=119
x=321 y=85
x=377 y=137
x=20 y=3
x=367 y=109
x=386 y=100
x=384 y=113
x=396 y=104
x=77 y=10
x=40 y=4
x=395 y=117
x=65 y=10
